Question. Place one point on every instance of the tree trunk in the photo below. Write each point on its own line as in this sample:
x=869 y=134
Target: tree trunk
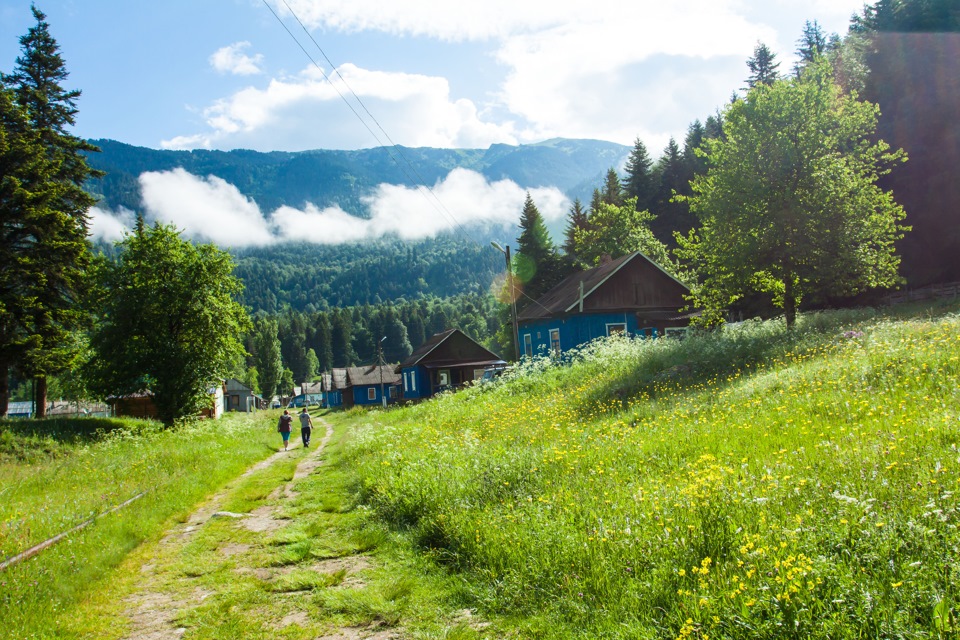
x=4 y=387
x=789 y=302
x=40 y=397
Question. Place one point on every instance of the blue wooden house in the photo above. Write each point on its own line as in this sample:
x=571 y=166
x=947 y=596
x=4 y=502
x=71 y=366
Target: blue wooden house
x=447 y=360
x=631 y=295
x=364 y=385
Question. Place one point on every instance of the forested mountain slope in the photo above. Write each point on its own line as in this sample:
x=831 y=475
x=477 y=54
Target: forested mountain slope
x=327 y=177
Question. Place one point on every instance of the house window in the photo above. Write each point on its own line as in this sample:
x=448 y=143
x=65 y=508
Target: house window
x=372 y=393
x=406 y=386
x=390 y=392
x=555 y=341
x=616 y=329
x=675 y=332
x=413 y=381
x=443 y=377
x=527 y=344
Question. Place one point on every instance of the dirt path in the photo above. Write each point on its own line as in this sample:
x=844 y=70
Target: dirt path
x=153 y=608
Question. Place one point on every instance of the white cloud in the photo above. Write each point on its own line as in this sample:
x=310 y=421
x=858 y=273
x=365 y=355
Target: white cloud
x=307 y=112
x=463 y=20
x=109 y=226
x=210 y=209
x=231 y=59
x=599 y=69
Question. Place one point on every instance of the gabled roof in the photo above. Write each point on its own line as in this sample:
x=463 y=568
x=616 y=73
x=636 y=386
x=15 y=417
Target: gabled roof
x=372 y=374
x=311 y=387
x=565 y=297
x=435 y=345
x=338 y=379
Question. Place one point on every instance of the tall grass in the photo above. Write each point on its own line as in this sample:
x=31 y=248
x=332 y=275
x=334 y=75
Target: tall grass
x=755 y=483
x=55 y=474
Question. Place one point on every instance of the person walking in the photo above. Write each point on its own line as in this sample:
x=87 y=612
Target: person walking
x=283 y=427
x=306 y=427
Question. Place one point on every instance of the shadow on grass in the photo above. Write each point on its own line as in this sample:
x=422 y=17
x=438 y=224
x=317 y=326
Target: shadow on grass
x=32 y=439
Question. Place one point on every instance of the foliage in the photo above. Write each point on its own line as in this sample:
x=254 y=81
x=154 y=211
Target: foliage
x=266 y=355
x=54 y=242
x=790 y=204
x=167 y=321
x=748 y=483
x=616 y=231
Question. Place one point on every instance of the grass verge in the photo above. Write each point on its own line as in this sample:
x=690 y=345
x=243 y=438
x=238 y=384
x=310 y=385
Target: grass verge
x=54 y=474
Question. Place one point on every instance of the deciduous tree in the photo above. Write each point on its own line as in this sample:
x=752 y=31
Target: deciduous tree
x=168 y=321
x=790 y=204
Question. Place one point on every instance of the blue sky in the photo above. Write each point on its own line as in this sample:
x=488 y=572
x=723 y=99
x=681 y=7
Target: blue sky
x=445 y=74
x=226 y=74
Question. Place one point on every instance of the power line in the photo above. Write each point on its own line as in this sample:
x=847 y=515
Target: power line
x=393 y=149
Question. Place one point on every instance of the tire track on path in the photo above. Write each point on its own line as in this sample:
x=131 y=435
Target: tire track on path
x=152 y=609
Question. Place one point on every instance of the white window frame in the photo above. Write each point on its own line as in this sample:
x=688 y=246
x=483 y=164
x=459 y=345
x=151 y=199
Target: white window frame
x=617 y=324
x=555 y=344
x=528 y=344
x=371 y=393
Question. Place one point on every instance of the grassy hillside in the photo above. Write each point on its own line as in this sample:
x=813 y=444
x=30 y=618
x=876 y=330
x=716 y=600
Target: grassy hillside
x=754 y=483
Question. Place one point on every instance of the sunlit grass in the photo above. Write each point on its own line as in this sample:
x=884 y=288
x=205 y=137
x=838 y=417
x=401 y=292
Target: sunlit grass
x=55 y=474
x=756 y=483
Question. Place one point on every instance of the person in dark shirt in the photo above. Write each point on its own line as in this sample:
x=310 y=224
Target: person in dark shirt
x=283 y=426
x=306 y=427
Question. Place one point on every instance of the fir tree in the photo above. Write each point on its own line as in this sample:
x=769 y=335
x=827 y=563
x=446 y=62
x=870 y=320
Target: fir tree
x=59 y=246
x=812 y=44
x=576 y=221
x=536 y=260
x=612 y=190
x=639 y=183
x=763 y=66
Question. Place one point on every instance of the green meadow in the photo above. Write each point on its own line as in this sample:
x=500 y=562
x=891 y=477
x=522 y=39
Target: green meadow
x=55 y=474
x=747 y=483
x=751 y=483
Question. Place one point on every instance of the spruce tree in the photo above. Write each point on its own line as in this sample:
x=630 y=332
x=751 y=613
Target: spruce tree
x=812 y=43
x=612 y=190
x=25 y=195
x=763 y=66
x=60 y=246
x=576 y=221
x=639 y=183
x=536 y=261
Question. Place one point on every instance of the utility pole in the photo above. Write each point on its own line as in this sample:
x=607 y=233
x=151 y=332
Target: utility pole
x=513 y=299
x=380 y=360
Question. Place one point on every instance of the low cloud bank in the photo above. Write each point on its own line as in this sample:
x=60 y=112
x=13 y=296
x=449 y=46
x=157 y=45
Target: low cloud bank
x=213 y=210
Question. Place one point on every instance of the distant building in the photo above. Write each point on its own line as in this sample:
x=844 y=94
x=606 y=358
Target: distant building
x=631 y=295
x=240 y=397
x=364 y=385
x=447 y=360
